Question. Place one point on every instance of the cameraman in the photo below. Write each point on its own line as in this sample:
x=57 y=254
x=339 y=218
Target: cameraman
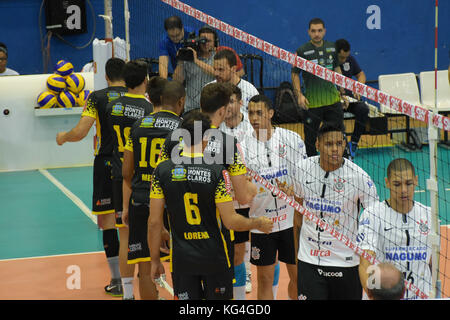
x=199 y=71
x=170 y=43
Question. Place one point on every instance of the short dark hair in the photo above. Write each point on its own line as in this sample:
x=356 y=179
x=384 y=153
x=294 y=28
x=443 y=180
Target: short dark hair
x=400 y=164
x=134 y=73
x=214 y=96
x=226 y=54
x=331 y=127
x=172 y=92
x=208 y=29
x=342 y=44
x=173 y=22
x=262 y=98
x=4 y=48
x=114 y=69
x=316 y=21
x=189 y=122
x=155 y=87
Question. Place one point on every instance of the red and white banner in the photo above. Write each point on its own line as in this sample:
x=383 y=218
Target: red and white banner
x=414 y=111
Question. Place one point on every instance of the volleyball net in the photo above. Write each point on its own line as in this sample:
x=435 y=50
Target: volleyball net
x=396 y=128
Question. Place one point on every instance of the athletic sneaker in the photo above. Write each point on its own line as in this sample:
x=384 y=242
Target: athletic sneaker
x=114 y=288
x=248 y=283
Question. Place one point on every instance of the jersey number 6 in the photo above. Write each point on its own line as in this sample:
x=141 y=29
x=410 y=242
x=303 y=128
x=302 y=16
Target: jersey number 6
x=192 y=211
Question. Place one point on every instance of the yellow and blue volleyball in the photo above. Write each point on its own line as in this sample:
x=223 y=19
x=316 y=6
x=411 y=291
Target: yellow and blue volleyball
x=56 y=83
x=82 y=97
x=64 y=68
x=75 y=83
x=46 y=100
x=66 y=99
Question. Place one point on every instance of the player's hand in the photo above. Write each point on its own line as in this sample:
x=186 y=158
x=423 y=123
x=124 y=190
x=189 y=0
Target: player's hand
x=289 y=190
x=264 y=224
x=345 y=102
x=165 y=241
x=125 y=217
x=157 y=269
x=60 y=138
x=303 y=102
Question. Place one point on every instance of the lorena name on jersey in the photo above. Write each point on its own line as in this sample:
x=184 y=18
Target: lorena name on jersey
x=196 y=235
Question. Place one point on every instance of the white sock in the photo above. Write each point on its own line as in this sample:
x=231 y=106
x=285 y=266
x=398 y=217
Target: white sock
x=128 y=290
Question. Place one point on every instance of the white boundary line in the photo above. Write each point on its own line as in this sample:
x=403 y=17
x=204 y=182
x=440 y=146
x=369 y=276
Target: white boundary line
x=51 y=256
x=80 y=204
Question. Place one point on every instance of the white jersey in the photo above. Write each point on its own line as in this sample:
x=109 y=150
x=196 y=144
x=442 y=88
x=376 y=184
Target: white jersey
x=400 y=239
x=242 y=130
x=274 y=159
x=336 y=197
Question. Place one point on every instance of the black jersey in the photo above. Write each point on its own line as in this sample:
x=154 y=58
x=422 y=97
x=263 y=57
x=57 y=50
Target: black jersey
x=122 y=113
x=96 y=108
x=191 y=192
x=221 y=149
x=145 y=141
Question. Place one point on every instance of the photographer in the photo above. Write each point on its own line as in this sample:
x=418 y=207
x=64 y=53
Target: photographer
x=195 y=65
x=170 y=43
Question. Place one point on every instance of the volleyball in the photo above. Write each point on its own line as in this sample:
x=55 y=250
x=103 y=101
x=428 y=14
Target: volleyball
x=63 y=68
x=56 y=83
x=75 y=83
x=66 y=99
x=82 y=97
x=46 y=100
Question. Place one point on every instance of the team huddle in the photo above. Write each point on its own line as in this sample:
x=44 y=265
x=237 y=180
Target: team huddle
x=178 y=189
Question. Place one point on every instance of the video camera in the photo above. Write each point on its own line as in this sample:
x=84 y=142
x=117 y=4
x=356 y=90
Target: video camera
x=184 y=54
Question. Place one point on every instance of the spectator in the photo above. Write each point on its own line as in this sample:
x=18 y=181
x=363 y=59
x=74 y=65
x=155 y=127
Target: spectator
x=350 y=68
x=321 y=99
x=4 y=71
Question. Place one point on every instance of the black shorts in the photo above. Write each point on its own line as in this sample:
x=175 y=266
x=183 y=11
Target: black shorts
x=242 y=236
x=328 y=283
x=264 y=248
x=117 y=201
x=102 y=195
x=138 y=250
x=218 y=286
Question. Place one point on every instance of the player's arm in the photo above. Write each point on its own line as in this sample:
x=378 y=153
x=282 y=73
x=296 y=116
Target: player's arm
x=364 y=264
x=77 y=133
x=244 y=189
x=163 y=66
x=127 y=173
x=155 y=226
x=237 y=222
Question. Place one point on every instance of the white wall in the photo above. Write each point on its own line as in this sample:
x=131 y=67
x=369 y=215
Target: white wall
x=28 y=141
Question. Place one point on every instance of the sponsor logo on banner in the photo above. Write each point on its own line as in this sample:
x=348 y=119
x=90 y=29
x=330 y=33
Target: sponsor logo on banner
x=300 y=62
x=310 y=66
x=267 y=47
x=350 y=84
x=291 y=56
x=360 y=88
x=382 y=97
x=421 y=114
x=339 y=79
x=372 y=93
x=237 y=33
x=259 y=44
x=407 y=108
x=275 y=51
x=395 y=103
x=329 y=75
x=251 y=40
x=320 y=71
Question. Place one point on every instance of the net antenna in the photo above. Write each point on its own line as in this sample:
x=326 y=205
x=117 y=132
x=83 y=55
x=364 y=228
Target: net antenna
x=432 y=185
x=126 y=12
x=107 y=16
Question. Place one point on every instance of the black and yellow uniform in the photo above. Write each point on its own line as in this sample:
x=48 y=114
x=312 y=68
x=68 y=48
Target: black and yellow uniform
x=199 y=250
x=221 y=149
x=145 y=141
x=122 y=113
x=103 y=145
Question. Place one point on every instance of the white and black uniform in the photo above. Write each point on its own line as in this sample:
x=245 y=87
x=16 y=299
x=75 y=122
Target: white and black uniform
x=400 y=239
x=336 y=197
x=274 y=159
